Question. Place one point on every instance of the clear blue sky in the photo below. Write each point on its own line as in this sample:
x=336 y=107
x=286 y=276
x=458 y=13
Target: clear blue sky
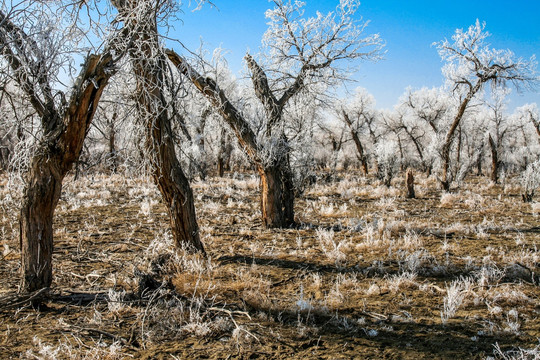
x=407 y=27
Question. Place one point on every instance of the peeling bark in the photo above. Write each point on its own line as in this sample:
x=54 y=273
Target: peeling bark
x=59 y=149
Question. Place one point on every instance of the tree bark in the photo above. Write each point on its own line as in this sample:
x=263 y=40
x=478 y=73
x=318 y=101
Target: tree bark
x=63 y=131
x=494 y=160
x=149 y=64
x=277 y=200
x=60 y=147
x=271 y=208
x=409 y=182
x=173 y=185
x=36 y=224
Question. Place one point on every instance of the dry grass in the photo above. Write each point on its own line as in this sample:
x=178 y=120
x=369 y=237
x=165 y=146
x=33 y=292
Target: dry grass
x=367 y=274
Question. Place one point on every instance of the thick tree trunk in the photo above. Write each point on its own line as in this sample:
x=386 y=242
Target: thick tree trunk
x=271 y=196
x=149 y=64
x=494 y=160
x=60 y=148
x=36 y=223
x=277 y=197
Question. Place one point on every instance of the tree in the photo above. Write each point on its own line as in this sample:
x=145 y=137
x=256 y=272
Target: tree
x=302 y=55
x=33 y=49
x=149 y=65
x=426 y=113
x=359 y=114
x=499 y=128
x=470 y=65
x=530 y=112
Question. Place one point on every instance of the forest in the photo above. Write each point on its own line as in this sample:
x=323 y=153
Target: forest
x=156 y=205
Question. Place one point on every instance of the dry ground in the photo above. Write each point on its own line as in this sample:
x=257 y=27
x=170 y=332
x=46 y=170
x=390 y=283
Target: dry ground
x=367 y=274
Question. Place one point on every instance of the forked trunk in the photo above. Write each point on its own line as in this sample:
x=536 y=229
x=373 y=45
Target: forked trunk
x=60 y=147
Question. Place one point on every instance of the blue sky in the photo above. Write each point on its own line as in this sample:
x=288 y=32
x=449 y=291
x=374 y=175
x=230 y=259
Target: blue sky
x=407 y=27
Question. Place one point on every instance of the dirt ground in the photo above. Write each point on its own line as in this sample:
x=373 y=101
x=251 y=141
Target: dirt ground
x=367 y=274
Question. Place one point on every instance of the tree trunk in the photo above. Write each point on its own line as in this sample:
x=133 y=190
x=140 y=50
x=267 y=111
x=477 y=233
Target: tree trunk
x=277 y=193
x=60 y=147
x=112 y=144
x=224 y=154
x=494 y=160
x=36 y=223
x=174 y=186
x=445 y=153
x=277 y=197
x=479 y=160
x=357 y=143
x=409 y=182
x=288 y=194
x=271 y=196
x=149 y=64
x=221 y=165
x=4 y=158
x=166 y=169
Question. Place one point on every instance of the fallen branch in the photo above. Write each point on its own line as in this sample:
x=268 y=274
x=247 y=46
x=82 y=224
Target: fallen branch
x=101 y=332
x=18 y=300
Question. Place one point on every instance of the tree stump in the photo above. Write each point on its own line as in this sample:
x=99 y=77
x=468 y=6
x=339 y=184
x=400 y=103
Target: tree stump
x=409 y=182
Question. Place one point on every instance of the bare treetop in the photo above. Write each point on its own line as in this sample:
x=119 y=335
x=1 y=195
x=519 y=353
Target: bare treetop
x=470 y=62
x=300 y=48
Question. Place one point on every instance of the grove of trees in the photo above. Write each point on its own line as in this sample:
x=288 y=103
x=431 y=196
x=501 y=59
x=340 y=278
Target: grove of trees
x=134 y=106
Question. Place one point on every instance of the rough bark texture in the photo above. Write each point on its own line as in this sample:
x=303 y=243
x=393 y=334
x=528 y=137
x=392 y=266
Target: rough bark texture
x=63 y=130
x=173 y=185
x=277 y=197
x=59 y=148
x=149 y=63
